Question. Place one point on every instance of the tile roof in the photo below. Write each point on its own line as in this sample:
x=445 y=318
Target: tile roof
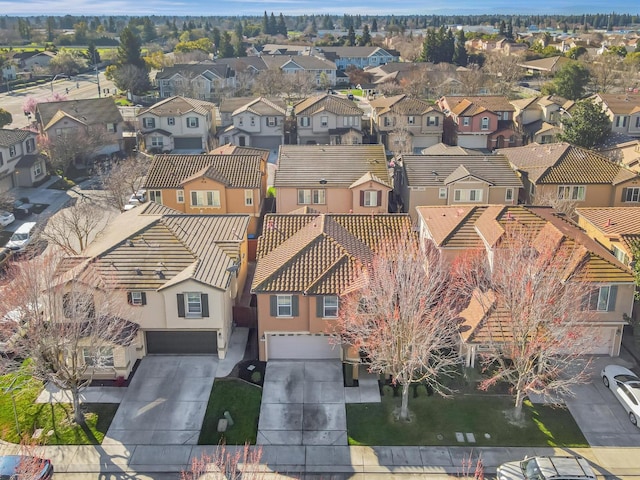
x=328 y=103
x=177 y=106
x=438 y=170
x=620 y=104
x=191 y=70
x=306 y=62
x=231 y=149
x=235 y=171
x=91 y=111
x=339 y=165
x=444 y=149
x=263 y=106
x=231 y=104
x=316 y=254
x=462 y=105
x=10 y=137
x=401 y=104
x=547 y=64
x=613 y=221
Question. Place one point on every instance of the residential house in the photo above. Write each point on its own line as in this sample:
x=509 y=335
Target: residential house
x=625 y=151
x=178 y=124
x=328 y=119
x=210 y=184
x=560 y=171
x=360 y=57
x=28 y=61
x=545 y=66
x=181 y=272
x=258 y=123
x=623 y=110
x=454 y=180
x=204 y=81
x=539 y=118
x=444 y=149
x=615 y=228
x=406 y=124
x=320 y=70
x=333 y=178
x=20 y=163
x=484 y=122
x=100 y=116
x=456 y=230
x=304 y=263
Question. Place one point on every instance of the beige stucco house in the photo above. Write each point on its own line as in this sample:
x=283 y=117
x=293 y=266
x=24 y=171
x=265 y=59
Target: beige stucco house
x=20 y=163
x=328 y=119
x=623 y=110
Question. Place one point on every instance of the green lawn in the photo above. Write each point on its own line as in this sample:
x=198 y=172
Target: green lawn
x=242 y=400
x=57 y=418
x=437 y=420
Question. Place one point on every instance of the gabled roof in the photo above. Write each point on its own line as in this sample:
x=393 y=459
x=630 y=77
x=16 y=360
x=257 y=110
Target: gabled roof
x=305 y=62
x=444 y=149
x=613 y=221
x=402 y=104
x=238 y=171
x=316 y=254
x=339 y=165
x=468 y=106
x=620 y=104
x=546 y=64
x=327 y=103
x=178 y=106
x=91 y=111
x=192 y=70
x=562 y=163
x=231 y=149
x=10 y=137
x=263 y=106
x=354 y=52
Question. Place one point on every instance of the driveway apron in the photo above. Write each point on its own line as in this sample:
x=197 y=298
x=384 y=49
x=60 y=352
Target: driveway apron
x=165 y=402
x=303 y=404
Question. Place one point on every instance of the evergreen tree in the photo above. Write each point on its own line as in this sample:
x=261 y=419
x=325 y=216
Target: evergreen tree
x=374 y=25
x=226 y=47
x=460 y=56
x=216 y=39
x=502 y=30
x=351 y=37
x=148 y=30
x=587 y=126
x=129 y=52
x=273 y=25
x=282 y=26
x=509 y=33
x=366 y=36
x=238 y=31
x=51 y=26
x=265 y=24
x=571 y=80
x=92 y=54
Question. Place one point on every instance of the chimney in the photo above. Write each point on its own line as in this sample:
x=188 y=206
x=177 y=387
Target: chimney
x=608 y=224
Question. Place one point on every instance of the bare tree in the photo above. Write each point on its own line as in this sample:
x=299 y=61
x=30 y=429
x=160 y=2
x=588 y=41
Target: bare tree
x=472 y=79
x=398 y=315
x=227 y=463
x=64 y=325
x=124 y=179
x=72 y=228
x=606 y=72
x=269 y=83
x=563 y=205
x=531 y=291
x=504 y=71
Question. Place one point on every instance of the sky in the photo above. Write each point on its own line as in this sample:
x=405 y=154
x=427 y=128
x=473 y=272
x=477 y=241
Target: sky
x=300 y=7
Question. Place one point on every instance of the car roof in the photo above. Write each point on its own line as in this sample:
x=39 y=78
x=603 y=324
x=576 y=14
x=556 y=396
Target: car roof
x=9 y=463
x=564 y=467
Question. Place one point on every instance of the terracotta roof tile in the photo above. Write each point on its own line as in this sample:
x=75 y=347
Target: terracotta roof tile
x=613 y=221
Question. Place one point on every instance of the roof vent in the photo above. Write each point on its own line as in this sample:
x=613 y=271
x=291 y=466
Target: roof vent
x=129 y=242
x=138 y=271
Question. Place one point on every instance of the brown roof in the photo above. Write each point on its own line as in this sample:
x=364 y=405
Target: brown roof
x=327 y=103
x=231 y=149
x=613 y=221
x=316 y=254
x=620 y=104
x=546 y=64
x=91 y=111
x=177 y=106
x=461 y=105
x=235 y=171
x=402 y=104
x=263 y=106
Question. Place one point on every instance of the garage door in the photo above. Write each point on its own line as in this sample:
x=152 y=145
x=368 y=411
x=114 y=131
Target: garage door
x=301 y=347
x=6 y=184
x=187 y=143
x=604 y=342
x=182 y=342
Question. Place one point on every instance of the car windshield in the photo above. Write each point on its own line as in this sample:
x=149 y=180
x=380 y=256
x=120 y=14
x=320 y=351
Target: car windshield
x=18 y=237
x=530 y=469
x=625 y=378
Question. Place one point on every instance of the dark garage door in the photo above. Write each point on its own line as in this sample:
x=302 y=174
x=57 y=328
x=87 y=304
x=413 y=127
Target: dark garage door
x=182 y=342
x=187 y=143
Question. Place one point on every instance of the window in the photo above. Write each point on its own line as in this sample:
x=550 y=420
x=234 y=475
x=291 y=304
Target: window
x=433 y=121
x=387 y=122
x=112 y=127
x=205 y=198
x=12 y=151
x=532 y=189
x=248 y=197
x=571 y=192
x=1 y=159
x=272 y=121
x=252 y=121
x=602 y=299
x=621 y=121
x=350 y=121
x=505 y=115
x=442 y=193
x=98 y=357
x=330 y=307
x=180 y=196
x=472 y=195
x=137 y=298
x=311 y=196
x=284 y=306
x=620 y=255
x=411 y=120
x=240 y=121
x=637 y=122
x=371 y=198
x=632 y=194
x=484 y=124
x=171 y=121
x=508 y=196
x=148 y=122
x=157 y=141
x=304 y=121
x=466 y=121
x=37 y=169
x=193 y=302
x=324 y=121
x=155 y=196
x=192 y=122
x=31 y=145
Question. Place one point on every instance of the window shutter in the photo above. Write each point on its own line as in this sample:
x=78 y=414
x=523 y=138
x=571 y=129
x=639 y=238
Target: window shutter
x=273 y=305
x=180 y=299
x=144 y=298
x=624 y=195
x=613 y=291
x=319 y=306
x=362 y=198
x=379 y=203
x=204 y=298
x=294 y=306
x=129 y=299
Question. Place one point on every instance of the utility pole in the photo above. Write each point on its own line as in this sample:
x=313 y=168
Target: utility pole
x=95 y=65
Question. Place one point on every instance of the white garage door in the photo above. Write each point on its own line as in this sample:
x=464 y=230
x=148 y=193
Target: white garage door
x=603 y=344
x=301 y=347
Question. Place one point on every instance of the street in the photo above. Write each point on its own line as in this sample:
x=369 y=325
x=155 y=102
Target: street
x=83 y=86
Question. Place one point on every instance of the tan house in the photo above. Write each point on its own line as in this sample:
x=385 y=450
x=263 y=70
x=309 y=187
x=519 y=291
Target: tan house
x=333 y=178
x=623 y=110
x=545 y=66
x=328 y=119
x=540 y=117
x=20 y=163
x=615 y=228
x=625 y=152
x=560 y=171
x=454 y=180
x=456 y=230
x=304 y=262
x=210 y=184
x=406 y=124
x=181 y=272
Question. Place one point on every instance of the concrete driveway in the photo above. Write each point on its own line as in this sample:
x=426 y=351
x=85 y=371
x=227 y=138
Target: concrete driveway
x=303 y=404
x=165 y=402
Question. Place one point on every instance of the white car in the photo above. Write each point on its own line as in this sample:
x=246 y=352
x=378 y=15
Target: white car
x=625 y=385
x=6 y=218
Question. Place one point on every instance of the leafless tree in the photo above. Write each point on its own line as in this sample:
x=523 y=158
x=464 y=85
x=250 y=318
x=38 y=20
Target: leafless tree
x=472 y=79
x=389 y=88
x=72 y=228
x=504 y=71
x=418 y=81
x=399 y=139
x=397 y=314
x=124 y=179
x=562 y=205
x=269 y=83
x=227 y=463
x=64 y=324
x=606 y=72
x=533 y=291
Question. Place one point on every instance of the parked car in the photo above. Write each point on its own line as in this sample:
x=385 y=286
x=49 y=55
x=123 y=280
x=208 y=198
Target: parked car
x=6 y=218
x=547 y=468
x=136 y=199
x=22 y=208
x=350 y=96
x=22 y=237
x=625 y=385
x=23 y=467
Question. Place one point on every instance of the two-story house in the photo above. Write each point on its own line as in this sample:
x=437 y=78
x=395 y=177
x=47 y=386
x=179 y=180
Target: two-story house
x=456 y=230
x=328 y=119
x=204 y=81
x=361 y=57
x=454 y=180
x=479 y=122
x=333 y=178
x=210 y=184
x=178 y=124
x=623 y=110
x=183 y=273
x=406 y=119
x=321 y=70
x=539 y=118
x=258 y=123
x=304 y=262
x=563 y=172
x=20 y=163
